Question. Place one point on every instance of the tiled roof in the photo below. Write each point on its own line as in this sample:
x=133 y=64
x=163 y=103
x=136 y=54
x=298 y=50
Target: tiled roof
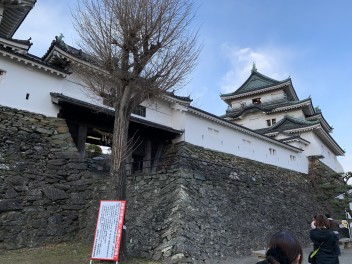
x=288 y=123
x=58 y=43
x=269 y=107
x=27 y=57
x=256 y=81
x=21 y=41
x=182 y=98
x=294 y=138
x=14 y=12
x=319 y=116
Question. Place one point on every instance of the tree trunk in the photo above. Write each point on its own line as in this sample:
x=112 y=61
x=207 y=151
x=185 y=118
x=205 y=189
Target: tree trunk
x=118 y=168
x=118 y=156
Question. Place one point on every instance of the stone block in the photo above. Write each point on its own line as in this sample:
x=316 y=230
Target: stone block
x=10 y=205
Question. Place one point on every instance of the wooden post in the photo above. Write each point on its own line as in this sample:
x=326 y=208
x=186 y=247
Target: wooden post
x=147 y=156
x=157 y=158
x=81 y=139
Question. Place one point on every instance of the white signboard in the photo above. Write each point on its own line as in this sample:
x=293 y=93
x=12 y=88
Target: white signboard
x=108 y=231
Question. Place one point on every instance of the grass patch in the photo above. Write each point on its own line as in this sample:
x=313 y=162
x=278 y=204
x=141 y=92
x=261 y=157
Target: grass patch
x=70 y=253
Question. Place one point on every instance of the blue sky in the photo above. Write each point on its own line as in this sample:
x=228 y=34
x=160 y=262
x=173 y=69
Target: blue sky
x=308 y=40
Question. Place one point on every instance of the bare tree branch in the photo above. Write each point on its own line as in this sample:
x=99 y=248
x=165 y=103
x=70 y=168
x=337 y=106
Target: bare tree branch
x=143 y=48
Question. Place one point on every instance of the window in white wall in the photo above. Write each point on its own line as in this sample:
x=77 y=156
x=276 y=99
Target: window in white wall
x=140 y=110
x=2 y=74
x=270 y=122
x=272 y=151
x=256 y=100
x=213 y=132
x=246 y=141
x=292 y=157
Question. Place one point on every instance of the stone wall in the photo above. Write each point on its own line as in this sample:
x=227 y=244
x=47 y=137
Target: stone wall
x=206 y=207
x=46 y=190
x=201 y=206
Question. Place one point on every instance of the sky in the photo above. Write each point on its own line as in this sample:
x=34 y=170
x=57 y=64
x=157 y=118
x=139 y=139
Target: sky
x=307 y=40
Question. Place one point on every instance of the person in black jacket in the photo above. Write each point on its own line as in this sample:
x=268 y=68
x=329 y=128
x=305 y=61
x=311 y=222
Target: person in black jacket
x=283 y=248
x=335 y=227
x=326 y=239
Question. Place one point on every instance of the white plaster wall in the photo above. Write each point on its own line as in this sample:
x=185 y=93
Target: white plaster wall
x=252 y=120
x=318 y=147
x=21 y=79
x=297 y=113
x=257 y=120
x=205 y=133
x=73 y=87
x=264 y=98
x=158 y=111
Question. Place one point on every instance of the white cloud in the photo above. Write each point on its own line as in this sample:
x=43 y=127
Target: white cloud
x=271 y=61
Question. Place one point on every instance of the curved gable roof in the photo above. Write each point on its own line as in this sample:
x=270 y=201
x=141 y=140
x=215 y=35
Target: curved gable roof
x=319 y=116
x=294 y=125
x=288 y=123
x=257 y=83
x=59 y=47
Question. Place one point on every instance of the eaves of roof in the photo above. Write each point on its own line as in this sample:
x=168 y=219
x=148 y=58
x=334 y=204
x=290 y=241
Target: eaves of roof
x=14 y=13
x=59 y=45
x=263 y=81
x=305 y=104
x=319 y=116
x=227 y=97
x=272 y=107
x=290 y=124
x=62 y=54
x=16 y=44
x=295 y=138
x=294 y=125
x=32 y=60
x=184 y=99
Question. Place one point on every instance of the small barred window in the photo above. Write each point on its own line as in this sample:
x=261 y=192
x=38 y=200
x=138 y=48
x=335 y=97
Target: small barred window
x=2 y=74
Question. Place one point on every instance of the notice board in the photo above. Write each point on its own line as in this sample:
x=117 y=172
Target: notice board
x=108 y=231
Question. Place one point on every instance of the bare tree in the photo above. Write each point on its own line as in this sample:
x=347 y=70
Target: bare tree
x=141 y=48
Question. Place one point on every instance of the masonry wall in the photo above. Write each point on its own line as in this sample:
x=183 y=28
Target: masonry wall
x=46 y=191
x=207 y=207
x=201 y=206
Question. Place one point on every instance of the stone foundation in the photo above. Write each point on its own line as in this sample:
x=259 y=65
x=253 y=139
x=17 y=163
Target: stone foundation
x=201 y=206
